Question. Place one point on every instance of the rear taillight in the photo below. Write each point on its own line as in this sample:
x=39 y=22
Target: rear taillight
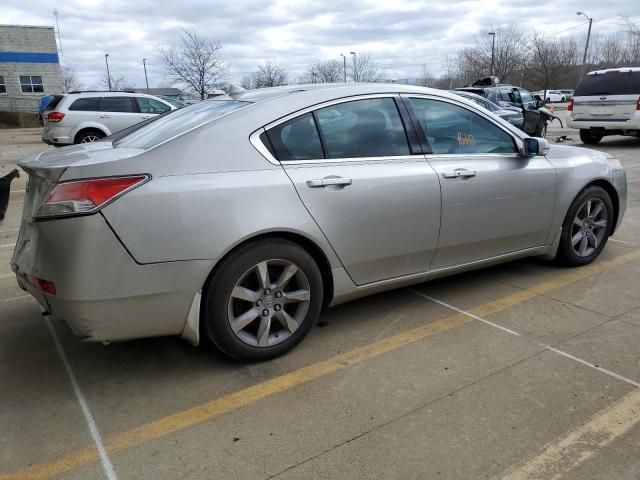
x=46 y=286
x=570 y=106
x=86 y=196
x=55 y=117
x=638 y=105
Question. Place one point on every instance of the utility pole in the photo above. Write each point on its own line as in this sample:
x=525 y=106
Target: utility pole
x=493 y=51
x=586 y=47
x=106 y=60
x=355 y=67
x=344 y=66
x=146 y=79
x=55 y=13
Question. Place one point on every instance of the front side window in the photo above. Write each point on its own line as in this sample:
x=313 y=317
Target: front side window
x=451 y=129
x=3 y=86
x=527 y=99
x=116 y=104
x=31 y=84
x=149 y=105
x=87 y=104
x=296 y=139
x=362 y=128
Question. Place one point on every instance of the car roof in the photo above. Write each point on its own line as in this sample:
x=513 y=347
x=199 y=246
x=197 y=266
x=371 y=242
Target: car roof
x=105 y=93
x=339 y=89
x=622 y=69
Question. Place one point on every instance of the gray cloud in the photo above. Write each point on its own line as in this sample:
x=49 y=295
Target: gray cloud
x=403 y=36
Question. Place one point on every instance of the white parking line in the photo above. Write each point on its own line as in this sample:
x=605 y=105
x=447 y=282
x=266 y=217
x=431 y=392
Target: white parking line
x=13 y=299
x=8 y=245
x=622 y=242
x=10 y=230
x=107 y=466
x=7 y=275
x=547 y=347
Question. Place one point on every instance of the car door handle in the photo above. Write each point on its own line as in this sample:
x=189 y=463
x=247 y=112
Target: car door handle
x=328 y=181
x=105 y=116
x=148 y=116
x=462 y=172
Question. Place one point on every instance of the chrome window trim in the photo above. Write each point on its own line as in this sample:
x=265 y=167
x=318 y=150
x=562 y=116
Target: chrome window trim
x=254 y=138
x=516 y=134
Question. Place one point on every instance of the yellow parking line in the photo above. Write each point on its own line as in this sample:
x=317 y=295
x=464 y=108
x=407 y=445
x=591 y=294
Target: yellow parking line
x=582 y=443
x=207 y=411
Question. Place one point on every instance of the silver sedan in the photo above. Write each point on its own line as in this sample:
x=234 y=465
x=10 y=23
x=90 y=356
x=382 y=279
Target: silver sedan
x=239 y=219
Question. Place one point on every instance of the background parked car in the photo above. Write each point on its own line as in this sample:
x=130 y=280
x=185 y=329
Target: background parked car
x=567 y=93
x=607 y=102
x=89 y=116
x=513 y=115
x=509 y=96
x=552 y=96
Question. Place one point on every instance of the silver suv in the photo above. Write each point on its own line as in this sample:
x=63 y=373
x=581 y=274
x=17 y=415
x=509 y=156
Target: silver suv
x=607 y=102
x=90 y=116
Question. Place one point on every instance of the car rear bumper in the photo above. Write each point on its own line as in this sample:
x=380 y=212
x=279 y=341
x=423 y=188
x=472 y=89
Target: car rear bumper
x=620 y=125
x=101 y=292
x=57 y=136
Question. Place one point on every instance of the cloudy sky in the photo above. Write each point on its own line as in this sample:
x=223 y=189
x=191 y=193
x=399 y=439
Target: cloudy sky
x=402 y=35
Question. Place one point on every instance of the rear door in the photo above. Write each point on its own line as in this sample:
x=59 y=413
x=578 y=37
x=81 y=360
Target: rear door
x=611 y=95
x=377 y=203
x=81 y=110
x=118 y=113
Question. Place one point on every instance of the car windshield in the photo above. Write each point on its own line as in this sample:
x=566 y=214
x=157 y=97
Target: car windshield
x=179 y=122
x=610 y=83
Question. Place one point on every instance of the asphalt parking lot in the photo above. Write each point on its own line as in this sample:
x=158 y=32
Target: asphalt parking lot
x=521 y=371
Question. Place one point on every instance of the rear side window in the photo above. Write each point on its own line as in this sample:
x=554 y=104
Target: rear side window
x=363 y=128
x=610 y=83
x=53 y=103
x=296 y=139
x=451 y=129
x=149 y=105
x=116 y=104
x=90 y=104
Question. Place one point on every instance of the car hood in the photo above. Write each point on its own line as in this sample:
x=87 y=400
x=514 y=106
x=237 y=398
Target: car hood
x=52 y=164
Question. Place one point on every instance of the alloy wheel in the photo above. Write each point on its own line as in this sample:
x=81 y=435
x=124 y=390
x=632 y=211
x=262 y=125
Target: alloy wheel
x=269 y=303
x=89 y=138
x=589 y=227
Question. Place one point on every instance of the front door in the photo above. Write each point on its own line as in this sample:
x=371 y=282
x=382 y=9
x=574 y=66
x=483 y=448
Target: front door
x=378 y=205
x=118 y=113
x=494 y=201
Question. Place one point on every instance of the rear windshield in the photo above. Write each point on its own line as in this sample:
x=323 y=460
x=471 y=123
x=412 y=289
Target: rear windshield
x=55 y=100
x=180 y=121
x=610 y=83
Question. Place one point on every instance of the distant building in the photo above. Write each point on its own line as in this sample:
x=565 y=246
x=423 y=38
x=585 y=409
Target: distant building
x=29 y=67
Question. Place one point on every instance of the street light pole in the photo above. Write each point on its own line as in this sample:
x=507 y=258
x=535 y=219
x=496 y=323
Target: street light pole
x=55 y=13
x=586 y=47
x=344 y=66
x=106 y=60
x=355 y=71
x=493 y=50
x=144 y=64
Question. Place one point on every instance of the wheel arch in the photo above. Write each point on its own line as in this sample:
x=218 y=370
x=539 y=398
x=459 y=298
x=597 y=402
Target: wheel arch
x=303 y=241
x=88 y=129
x=613 y=194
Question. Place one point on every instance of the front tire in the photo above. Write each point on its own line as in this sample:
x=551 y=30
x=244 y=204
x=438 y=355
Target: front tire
x=589 y=138
x=262 y=300
x=587 y=227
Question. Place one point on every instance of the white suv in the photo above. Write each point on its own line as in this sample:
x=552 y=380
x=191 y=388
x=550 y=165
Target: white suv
x=607 y=102
x=89 y=116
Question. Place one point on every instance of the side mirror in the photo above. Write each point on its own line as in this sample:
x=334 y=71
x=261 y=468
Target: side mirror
x=534 y=146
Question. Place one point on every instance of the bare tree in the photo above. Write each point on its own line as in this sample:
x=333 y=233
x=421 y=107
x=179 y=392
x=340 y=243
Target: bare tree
x=119 y=83
x=550 y=60
x=510 y=54
x=363 y=69
x=271 y=74
x=327 y=71
x=71 y=82
x=195 y=64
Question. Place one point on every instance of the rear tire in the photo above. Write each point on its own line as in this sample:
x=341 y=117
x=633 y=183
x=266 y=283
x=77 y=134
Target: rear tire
x=252 y=316
x=590 y=138
x=88 y=136
x=586 y=227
